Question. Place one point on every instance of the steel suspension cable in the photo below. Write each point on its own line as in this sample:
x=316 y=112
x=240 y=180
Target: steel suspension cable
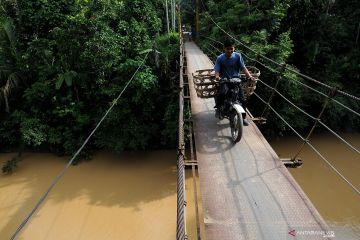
x=324 y=95
x=346 y=107
x=301 y=110
x=210 y=51
x=297 y=81
x=301 y=83
x=181 y=203
x=308 y=143
x=310 y=116
x=302 y=75
x=214 y=40
x=61 y=174
x=215 y=48
x=339 y=137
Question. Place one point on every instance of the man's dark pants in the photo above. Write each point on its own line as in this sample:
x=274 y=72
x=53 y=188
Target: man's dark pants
x=221 y=94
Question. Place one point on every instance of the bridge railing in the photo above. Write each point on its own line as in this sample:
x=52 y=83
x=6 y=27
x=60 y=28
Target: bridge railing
x=181 y=202
x=281 y=76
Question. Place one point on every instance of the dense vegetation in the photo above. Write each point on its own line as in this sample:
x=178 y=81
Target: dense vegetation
x=63 y=62
x=316 y=37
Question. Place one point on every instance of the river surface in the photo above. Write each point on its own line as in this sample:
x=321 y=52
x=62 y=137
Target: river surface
x=128 y=196
x=133 y=195
x=335 y=200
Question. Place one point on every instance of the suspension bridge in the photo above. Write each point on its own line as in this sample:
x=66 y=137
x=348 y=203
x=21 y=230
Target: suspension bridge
x=247 y=191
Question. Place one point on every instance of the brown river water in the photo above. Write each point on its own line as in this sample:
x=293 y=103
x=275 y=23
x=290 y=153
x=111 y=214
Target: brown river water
x=133 y=195
x=335 y=200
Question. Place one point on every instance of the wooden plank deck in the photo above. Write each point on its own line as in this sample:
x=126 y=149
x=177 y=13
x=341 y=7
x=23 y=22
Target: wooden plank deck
x=247 y=192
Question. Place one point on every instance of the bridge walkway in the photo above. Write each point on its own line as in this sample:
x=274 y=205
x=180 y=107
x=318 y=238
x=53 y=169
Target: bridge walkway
x=247 y=192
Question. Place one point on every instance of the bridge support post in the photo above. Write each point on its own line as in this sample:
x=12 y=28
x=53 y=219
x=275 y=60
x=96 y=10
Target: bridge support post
x=330 y=96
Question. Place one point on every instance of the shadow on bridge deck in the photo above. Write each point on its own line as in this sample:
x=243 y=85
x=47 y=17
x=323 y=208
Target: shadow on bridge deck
x=246 y=190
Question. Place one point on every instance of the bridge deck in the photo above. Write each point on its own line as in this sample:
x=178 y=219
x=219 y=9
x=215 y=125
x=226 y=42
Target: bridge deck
x=247 y=192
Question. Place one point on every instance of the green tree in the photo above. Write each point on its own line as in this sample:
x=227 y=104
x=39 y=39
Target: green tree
x=315 y=37
x=256 y=24
x=78 y=56
x=11 y=75
x=326 y=49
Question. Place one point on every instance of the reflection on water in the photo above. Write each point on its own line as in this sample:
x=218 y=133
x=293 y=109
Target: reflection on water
x=131 y=196
x=335 y=200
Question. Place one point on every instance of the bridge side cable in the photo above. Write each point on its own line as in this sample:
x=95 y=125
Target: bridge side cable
x=181 y=203
x=317 y=120
x=309 y=144
x=310 y=116
x=290 y=78
x=298 y=108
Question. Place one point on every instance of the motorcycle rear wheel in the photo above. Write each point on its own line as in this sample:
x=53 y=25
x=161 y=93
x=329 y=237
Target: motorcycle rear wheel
x=236 y=125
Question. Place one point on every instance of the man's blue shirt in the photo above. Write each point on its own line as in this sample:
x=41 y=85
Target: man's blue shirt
x=229 y=67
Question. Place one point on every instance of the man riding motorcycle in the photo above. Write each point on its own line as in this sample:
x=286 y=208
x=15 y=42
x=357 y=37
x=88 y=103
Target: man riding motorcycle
x=229 y=65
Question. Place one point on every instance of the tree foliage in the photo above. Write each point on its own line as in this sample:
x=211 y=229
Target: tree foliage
x=75 y=58
x=316 y=37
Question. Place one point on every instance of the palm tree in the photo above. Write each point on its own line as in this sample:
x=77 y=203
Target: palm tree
x=10 y=74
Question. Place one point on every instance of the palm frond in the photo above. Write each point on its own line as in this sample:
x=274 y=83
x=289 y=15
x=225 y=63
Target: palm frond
x=10 y=76
x=4 y=99
x=9 y=29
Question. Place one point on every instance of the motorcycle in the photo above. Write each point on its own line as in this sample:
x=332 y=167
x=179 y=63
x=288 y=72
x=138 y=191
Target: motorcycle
x=232 y=108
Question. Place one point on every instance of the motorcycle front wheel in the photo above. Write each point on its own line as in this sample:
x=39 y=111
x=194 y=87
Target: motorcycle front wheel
x=236 y=125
